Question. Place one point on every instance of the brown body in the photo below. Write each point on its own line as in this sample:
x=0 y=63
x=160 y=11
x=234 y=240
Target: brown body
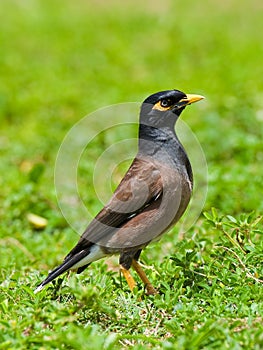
x=162 y=191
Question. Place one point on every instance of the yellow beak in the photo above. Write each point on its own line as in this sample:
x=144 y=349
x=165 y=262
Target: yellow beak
x=191 y=98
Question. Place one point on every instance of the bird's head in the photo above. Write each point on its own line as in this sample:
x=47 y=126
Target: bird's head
x=163 y=108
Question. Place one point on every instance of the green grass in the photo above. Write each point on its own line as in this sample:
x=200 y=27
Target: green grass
x=60 y=61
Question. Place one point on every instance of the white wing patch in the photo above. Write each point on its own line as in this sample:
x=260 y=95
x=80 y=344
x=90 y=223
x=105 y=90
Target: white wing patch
x=96 y=253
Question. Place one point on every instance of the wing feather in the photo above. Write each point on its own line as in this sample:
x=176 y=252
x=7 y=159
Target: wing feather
x=140 y=186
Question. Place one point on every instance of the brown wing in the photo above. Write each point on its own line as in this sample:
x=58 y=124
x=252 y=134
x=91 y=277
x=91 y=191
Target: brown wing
x=140 y=187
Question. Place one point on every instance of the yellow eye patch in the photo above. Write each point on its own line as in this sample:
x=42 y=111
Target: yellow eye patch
x=159 y=107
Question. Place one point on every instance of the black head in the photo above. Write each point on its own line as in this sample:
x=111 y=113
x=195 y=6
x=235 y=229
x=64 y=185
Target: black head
x=163 y=108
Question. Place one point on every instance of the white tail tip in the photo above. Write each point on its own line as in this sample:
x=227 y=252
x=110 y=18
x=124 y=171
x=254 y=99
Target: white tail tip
x=38 y=289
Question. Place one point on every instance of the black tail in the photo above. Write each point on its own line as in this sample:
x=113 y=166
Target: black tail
x=65 y=266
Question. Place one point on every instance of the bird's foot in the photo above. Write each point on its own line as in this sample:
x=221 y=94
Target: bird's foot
x=130 y=280
x=150 y=290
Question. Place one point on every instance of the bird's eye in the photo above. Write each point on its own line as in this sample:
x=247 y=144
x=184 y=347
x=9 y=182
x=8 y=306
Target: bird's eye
x=165 y=103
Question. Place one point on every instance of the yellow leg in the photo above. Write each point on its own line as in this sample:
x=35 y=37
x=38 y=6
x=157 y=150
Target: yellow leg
x=149 y=288
x=128 y=277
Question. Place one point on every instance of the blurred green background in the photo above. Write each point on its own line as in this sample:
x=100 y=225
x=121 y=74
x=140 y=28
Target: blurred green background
x=60 y=60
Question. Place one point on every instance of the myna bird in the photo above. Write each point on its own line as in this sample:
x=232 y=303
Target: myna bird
x=151 y=197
